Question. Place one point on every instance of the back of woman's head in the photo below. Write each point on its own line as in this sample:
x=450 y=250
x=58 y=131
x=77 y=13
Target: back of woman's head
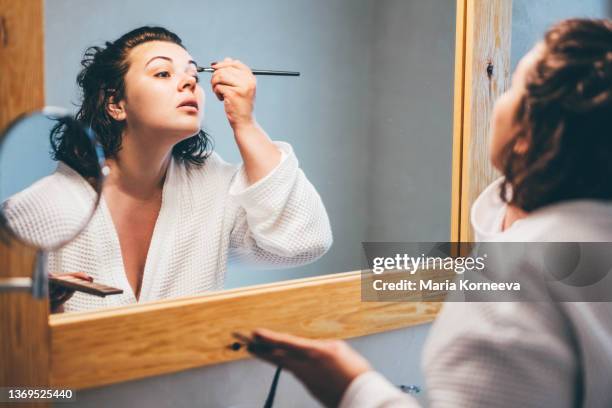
x=565 y=118
x=101 y=78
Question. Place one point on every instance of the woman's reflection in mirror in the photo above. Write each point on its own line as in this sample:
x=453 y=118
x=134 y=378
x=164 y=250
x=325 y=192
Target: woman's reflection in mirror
x=172 y=211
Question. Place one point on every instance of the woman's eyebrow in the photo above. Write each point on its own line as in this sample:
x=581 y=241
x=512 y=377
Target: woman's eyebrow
x=159 y=56
x=169 y=59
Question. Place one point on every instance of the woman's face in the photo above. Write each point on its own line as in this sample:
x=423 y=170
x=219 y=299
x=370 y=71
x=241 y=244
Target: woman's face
x=503 y=124
x=161 y=91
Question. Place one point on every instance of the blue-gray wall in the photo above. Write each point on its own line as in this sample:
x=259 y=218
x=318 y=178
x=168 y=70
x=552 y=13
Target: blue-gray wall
x=532 y=18
x=375 y=148
x=17 y=155
x=245 y=383
x=411 y=108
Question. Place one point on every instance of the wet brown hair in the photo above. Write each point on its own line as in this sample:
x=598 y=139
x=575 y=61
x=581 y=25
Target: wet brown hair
x=103 y=77
x=565 y=117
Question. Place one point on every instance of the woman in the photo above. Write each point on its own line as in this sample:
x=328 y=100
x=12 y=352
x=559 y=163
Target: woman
x=552 y=141
x=171 y=211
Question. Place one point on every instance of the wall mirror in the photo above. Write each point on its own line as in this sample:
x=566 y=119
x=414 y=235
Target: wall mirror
x=382 y=134
x=370 y=120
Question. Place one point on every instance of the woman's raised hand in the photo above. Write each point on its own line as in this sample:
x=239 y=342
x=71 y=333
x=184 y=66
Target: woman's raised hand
x=235 y=85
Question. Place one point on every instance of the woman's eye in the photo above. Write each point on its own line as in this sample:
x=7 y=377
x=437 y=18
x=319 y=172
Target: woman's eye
x=163 y=74
x=197 y=78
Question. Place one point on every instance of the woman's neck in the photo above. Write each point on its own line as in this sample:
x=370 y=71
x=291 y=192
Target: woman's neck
x=513 y=214
x=139 y=169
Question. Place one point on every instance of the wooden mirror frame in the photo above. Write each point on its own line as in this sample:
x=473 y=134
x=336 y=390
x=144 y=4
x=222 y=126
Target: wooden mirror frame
x=82 y=350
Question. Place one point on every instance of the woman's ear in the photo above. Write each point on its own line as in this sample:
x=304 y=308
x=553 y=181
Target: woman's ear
x=520 y=146
x=116 y=109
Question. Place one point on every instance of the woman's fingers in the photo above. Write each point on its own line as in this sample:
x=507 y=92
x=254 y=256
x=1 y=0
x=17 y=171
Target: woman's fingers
x=229 y=71
x=226 y=62
x=243 y=83
x=234 y=83
x=56 y=292
x=274 y=356
x=284 y=340
x=295 y=362
x=82 y=275
x=223 y=91
x=227 y=76
x=233 y=73
x=58 y=295
x=299 y=349
x=285 y=349
x=63 y=297
x=229 y=62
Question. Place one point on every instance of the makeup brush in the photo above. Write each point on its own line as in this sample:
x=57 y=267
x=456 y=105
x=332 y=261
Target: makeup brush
x=257 y=72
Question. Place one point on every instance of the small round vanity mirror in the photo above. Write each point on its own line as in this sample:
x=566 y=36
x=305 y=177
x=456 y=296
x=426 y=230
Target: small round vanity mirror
x=51 y=175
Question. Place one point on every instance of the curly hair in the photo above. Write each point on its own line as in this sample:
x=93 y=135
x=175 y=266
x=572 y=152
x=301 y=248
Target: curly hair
x=103 y=77
x=565 y=117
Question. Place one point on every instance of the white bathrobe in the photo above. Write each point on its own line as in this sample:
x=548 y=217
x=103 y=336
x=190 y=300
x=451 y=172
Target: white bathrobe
x=514 y=354
x=208 y=214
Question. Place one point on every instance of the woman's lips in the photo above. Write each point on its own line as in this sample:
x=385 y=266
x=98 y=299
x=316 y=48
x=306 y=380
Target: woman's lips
x=190 y=104
x=189 y=108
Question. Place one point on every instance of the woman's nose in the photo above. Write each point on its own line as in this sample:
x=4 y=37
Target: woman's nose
x=189 y=81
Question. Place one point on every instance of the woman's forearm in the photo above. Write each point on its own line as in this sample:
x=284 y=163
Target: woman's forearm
x=259 y=154
x=234 y=84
